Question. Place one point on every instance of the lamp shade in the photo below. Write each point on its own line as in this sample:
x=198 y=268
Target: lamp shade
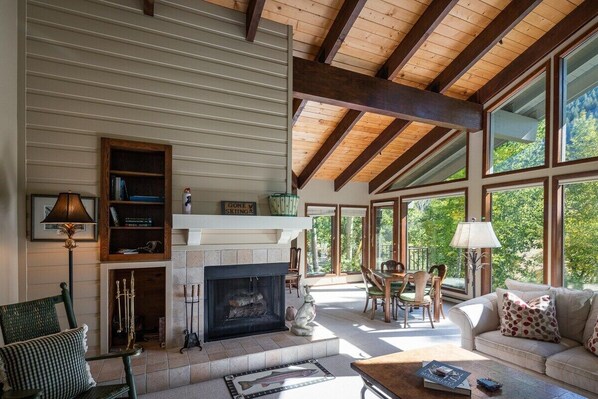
x=68 y=209
x=475 y=235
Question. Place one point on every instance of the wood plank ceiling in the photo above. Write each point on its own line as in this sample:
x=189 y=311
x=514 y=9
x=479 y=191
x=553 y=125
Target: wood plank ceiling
x=453 y=47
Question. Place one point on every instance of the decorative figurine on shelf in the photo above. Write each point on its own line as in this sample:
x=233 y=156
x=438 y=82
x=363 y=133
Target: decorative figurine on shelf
x=305 y=315
x=187 y=201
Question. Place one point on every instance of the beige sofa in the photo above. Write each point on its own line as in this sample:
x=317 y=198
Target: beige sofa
x=567 y=361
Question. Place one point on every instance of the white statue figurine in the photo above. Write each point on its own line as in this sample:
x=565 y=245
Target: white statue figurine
x=305 y=315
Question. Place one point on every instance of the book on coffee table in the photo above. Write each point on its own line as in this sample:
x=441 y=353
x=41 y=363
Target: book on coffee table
x=462 y=389
x=443 y=374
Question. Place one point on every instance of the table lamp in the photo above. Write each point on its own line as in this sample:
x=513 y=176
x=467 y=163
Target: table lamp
x=69 y=212
x=473 y=236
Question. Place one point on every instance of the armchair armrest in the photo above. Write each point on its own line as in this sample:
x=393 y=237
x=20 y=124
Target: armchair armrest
x=113 y=355
x=24 y=394
x=474 y=317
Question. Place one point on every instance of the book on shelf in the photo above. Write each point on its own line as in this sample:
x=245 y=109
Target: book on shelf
x=462 y=389
x=114 y=215
x=118 y=189
x=127 y=251
x=146 y=198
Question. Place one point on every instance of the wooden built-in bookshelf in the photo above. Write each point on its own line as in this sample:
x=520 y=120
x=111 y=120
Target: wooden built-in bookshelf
x=146 y=169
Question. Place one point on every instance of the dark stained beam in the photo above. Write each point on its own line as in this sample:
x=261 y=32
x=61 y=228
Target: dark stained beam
x=391 y=132
x=332 y=42
x=294 y=178
x=148 y=7
x=583 y=14
x=494 y=32
x=252 y=18
x=333 y=141
x=339 y=30
x=432 y=137
x=344 y=88
x=417 y=35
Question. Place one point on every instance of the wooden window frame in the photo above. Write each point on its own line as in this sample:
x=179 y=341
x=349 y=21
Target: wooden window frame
x=487 y=190
x=543 y=68
x=403 y=200
x=395 y=229
x=559 y=81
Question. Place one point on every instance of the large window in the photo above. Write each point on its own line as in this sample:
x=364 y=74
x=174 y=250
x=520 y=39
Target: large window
x=320 y=240
x=580 y=233
x=352 y=232
x=518 y=129
x=384 y=232
x=579 y=102
x=518 y=217
x=430 y=224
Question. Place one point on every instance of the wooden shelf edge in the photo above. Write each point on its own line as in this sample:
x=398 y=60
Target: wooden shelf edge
x=133 y=174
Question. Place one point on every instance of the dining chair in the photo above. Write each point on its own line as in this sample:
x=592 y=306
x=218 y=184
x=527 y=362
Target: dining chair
x=418 y=297
x=293 y=276
x=440 y=271
x=374 y=290
x=392 y=265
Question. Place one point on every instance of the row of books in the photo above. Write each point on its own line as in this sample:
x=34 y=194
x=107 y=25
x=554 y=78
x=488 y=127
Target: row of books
x=119 y=192
x=130 y=221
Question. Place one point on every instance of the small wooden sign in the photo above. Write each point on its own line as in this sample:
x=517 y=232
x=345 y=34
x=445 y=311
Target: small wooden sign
x=238 y=208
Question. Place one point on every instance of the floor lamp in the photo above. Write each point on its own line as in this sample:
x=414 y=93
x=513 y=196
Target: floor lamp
x=473 y=236
x=69 y=212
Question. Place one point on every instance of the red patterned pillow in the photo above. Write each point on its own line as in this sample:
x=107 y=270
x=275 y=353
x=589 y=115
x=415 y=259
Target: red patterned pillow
x=535 y=319
x=592 y=342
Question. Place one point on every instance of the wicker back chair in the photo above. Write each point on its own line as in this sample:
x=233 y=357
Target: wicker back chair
x=32 y=319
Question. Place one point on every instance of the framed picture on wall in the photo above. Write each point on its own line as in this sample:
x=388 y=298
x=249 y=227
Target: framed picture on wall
x=41 y=205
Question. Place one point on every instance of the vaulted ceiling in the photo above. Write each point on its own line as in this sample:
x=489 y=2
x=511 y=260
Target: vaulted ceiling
x=368 y=129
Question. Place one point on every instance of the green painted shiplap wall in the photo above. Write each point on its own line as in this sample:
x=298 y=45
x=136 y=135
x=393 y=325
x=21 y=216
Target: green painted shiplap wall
x=185 y=77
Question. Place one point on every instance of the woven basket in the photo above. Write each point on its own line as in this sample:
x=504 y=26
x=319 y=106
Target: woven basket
x=283 y=204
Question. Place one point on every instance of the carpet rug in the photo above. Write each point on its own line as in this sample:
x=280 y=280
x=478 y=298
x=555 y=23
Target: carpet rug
x=252 y=384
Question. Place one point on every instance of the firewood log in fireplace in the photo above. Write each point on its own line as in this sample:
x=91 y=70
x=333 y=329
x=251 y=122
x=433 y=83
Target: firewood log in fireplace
x=245 y=303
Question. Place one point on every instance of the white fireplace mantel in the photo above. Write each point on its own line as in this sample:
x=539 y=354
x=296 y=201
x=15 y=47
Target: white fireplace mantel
x=287 y=227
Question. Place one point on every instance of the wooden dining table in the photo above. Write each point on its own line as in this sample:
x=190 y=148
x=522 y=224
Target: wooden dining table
x=389 y=277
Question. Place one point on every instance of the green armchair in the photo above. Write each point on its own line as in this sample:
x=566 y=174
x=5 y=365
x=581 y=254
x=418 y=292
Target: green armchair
x=38 y=318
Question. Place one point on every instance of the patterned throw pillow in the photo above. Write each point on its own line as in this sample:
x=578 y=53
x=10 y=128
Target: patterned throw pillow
x=535 y=319
x=592 y=342
x=54 y=364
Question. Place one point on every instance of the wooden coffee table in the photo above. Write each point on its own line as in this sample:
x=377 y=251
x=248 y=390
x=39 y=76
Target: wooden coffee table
x=393 y=376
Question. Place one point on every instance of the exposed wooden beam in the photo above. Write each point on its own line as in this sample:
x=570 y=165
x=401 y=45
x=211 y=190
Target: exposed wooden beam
x=433 y=136
x=494 y=32
x=417 y=35
x=294 y=178
x=328 y=147
x=252 y=18
x=148 y=7
x=343 y=88
x=583 y=14
x=339 y=30
x=392 y=131
x=332 y=42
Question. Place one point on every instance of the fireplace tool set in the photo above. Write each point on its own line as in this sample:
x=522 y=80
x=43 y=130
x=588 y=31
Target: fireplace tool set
x=126 y=324
x=191 y=339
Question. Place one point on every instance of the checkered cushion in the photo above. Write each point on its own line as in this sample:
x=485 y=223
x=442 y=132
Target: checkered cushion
x=54 y=364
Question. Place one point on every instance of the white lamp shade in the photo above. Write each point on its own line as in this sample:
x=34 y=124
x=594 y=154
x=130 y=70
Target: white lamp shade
x=475 y=235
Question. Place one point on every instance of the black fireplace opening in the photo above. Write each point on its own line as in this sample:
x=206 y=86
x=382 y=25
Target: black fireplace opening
x=242 y=300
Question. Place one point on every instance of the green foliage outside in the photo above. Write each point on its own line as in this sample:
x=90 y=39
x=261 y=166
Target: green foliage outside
x=431 y=223
x=384 y=224
x=319 y=261
x=351 y=244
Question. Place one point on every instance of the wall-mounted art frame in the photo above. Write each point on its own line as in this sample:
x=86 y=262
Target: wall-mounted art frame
x=42 y=204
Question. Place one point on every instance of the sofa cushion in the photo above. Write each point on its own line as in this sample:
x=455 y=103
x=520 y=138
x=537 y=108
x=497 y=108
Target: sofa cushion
x=592 y=343
x=53 y=363
x=527 y=353
x=572 y=309
x=524 y=295
x=592 y=316
x=523 y=286
x=535 y=319
x=575 y=366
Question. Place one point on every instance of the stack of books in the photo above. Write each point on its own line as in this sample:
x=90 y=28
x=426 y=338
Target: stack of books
x=118 y=189
x=138 y=222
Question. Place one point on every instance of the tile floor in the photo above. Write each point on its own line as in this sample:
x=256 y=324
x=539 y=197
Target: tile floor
x=160 y=369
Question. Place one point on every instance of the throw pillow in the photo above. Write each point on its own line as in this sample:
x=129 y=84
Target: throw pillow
x=535 y=319
x=592 y=342
x=523 y=286
x=524 y=295
x=53 y=363
x=572 y=309
x=592 y=317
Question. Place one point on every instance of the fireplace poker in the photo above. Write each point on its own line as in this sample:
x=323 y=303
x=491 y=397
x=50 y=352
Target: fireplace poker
x=126 y=293
x=131 y=338
x=191 y=338
x=120 y=326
